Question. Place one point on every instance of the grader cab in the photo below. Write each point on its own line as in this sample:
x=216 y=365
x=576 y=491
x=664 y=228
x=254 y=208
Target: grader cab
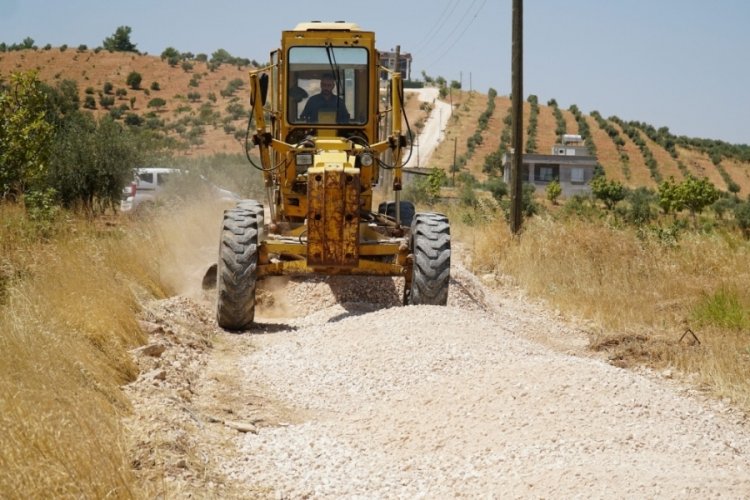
x=324 y=135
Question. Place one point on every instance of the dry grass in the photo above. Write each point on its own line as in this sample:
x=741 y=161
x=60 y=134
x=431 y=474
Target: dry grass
x=67 y=320
x=642 y=291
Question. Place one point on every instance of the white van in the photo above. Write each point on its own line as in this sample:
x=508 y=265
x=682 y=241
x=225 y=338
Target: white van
x=145 y=188
x=149 y=183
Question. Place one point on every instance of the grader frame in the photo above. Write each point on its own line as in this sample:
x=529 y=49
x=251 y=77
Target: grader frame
x=319 y=174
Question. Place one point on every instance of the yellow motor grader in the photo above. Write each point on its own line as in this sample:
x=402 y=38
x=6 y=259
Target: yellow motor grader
x=324 y=135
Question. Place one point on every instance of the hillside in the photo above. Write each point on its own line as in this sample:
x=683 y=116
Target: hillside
x=206 y=109
x=205 y=114
x=633 y=172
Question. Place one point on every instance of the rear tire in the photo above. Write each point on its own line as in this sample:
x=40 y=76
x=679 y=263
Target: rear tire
x=237 y=266
x=431 y=247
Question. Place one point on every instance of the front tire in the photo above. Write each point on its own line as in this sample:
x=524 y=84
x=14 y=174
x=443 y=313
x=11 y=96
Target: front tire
x=237 y=266
x=431 y=248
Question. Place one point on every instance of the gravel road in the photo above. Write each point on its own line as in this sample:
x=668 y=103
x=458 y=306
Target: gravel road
x=431 y=134
x=493 y=396
x=445 y=402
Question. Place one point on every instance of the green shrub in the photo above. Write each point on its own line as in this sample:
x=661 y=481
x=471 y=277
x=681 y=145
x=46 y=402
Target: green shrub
x=553 y=190
x=155 y=86
x=742 y=216
x=724 y=309
x=133 y=119
x=116 y=113
x=106 y=101
x=640 y=211
x=232 y=87
x=156 y=102
x=108 y=87
x=170 y=52
x=497 y=187
x=134 y=80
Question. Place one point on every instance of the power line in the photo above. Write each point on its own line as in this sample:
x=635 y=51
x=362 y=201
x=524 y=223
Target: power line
x=455 y=26
x=460 y=35
x=442 y=18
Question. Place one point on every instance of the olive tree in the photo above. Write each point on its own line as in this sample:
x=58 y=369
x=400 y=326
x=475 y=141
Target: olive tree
x=120 y=40
x=609 y=192
x=697 y=194
x=25 y=134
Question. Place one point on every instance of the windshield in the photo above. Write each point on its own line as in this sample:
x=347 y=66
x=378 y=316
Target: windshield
x=327 y=85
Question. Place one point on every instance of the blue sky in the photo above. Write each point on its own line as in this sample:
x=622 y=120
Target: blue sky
x=681 y=64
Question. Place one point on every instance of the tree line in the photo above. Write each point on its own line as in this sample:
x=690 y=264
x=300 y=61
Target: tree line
x=54 y=154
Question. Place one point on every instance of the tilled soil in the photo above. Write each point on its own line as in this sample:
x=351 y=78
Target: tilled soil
x=342 y=392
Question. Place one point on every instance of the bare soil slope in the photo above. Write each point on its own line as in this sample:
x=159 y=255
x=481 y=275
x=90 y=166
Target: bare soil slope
x=90 y=69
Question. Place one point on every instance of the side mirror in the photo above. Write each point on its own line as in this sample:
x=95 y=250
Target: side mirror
x=263 y=88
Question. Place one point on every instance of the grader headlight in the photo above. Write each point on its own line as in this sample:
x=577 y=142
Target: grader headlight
x=366 y=159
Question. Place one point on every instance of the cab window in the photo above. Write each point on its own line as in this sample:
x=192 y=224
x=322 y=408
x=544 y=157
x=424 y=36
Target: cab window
x=327 y=85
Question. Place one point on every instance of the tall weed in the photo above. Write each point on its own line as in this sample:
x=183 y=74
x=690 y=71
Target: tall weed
x=631 y=281
x=66 y=325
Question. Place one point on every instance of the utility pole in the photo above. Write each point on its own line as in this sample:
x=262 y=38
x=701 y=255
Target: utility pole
x=516 y=191
x=454 y=162
x=440 y=124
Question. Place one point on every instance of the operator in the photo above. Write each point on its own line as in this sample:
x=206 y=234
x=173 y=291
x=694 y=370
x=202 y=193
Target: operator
x=326 y=101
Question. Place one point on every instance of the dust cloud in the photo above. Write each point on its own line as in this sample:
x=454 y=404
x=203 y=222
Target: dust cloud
x=190 y=241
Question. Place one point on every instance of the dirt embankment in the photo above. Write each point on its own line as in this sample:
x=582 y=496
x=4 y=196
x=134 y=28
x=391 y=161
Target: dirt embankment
x=342 y=392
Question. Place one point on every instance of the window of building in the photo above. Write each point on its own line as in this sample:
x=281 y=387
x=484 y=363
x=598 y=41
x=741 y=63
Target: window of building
x=547 y=173
x=577 y=175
